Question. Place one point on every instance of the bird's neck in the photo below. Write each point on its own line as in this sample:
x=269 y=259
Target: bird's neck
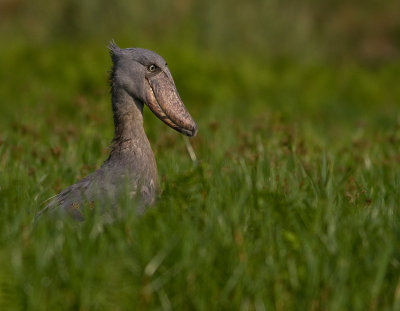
x=131 y=149
x=128 y=116
x=129 y=133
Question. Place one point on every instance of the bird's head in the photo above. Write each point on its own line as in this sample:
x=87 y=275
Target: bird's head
x=145 y=76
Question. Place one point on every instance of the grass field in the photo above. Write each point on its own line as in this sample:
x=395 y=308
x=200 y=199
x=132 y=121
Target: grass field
x=293 y=204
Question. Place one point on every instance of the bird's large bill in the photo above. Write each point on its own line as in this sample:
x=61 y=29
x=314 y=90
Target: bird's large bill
x=163 y=99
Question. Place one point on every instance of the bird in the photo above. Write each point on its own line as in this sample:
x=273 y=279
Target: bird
x=138 y=78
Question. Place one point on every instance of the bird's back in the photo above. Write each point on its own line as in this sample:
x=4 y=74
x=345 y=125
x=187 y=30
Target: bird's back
x=104 y=187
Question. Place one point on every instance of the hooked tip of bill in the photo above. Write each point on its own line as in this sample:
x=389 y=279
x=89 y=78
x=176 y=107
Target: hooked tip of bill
x=188 y=132
x=194 y=131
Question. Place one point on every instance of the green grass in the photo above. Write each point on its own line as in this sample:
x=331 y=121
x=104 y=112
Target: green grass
x=293 y=204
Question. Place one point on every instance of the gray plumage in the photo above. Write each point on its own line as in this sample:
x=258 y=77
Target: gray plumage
x=138 y=77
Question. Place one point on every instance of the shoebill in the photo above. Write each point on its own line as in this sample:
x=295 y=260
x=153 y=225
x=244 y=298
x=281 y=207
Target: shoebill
x=139 y=78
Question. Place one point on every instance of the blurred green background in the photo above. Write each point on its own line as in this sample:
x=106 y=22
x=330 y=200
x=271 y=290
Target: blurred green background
x=366 y=31
x=294 y=202
x=290 y=56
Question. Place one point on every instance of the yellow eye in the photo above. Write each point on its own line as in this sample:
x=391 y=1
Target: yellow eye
x=152 y=68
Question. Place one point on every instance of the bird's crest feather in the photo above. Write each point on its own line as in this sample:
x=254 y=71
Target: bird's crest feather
x=114 y=49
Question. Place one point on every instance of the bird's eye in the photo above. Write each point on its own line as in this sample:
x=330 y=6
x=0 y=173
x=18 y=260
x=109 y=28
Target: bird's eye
x=152 y=68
